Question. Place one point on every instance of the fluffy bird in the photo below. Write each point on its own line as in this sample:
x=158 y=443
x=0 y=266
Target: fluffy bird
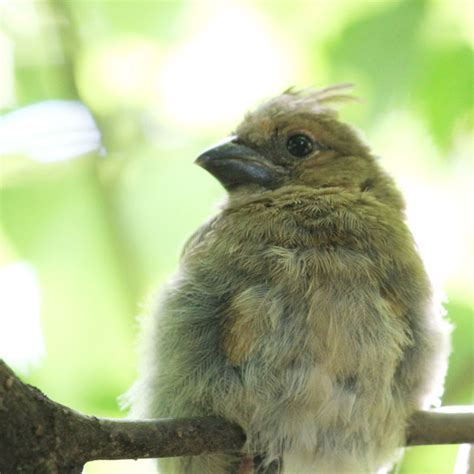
x=302 y=310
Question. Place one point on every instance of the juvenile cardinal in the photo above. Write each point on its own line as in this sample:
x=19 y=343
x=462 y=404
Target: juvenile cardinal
x=302 y=311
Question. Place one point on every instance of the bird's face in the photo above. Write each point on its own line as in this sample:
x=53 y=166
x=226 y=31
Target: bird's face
x=293 y=139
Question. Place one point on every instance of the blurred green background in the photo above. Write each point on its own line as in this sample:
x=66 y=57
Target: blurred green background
x=97 y=199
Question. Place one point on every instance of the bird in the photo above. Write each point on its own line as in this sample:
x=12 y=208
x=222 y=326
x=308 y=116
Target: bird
x=302 y=310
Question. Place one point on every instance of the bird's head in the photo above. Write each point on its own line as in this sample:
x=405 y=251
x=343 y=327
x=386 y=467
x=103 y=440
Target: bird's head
x=293 y=139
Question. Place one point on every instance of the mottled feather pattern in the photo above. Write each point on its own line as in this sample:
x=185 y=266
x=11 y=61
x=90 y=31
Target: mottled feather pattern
x=303 y=313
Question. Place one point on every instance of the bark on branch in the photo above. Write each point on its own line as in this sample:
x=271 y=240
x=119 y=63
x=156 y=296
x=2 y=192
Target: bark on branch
x=38 y=435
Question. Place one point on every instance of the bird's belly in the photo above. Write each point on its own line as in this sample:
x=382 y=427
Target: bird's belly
x=313 y=418
x=319 y=378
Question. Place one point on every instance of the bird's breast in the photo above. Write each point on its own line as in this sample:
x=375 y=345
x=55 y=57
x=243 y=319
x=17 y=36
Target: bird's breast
x=301 y=288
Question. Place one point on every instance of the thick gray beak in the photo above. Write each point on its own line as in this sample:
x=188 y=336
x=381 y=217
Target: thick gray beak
x=234 y=164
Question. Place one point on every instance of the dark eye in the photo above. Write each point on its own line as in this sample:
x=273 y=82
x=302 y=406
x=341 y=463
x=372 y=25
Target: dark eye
x=299 y=145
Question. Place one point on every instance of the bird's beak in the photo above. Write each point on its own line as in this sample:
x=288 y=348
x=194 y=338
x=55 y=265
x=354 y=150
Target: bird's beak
x=234 y=164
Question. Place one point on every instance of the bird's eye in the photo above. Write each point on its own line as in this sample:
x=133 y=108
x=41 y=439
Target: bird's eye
x=299 y=145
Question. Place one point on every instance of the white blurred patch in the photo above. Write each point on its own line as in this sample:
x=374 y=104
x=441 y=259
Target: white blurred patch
x=462 y=465
x=49 y=131
x=456 y=409
x=21 y=338
x=141 y=466
x=233 y=61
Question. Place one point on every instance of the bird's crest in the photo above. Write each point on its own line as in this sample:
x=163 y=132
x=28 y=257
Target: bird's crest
x=321 y=101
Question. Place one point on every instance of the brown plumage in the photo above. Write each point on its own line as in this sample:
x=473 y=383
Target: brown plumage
x=302 y=310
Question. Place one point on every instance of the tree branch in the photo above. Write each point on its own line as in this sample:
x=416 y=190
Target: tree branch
x=434 y=427
x=41 y=436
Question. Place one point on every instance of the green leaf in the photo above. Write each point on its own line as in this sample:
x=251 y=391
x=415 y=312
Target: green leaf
x=443 y=90
x=382 y=50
